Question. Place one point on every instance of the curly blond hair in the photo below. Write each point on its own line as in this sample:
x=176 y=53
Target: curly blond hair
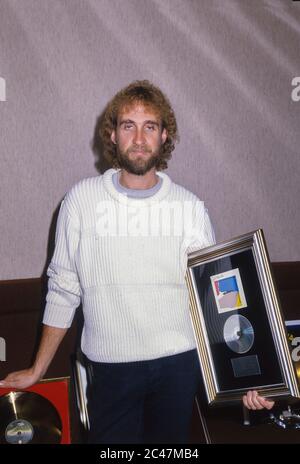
x=151 y=97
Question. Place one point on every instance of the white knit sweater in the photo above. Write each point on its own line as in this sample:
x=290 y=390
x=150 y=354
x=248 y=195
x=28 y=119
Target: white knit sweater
x=125 y=259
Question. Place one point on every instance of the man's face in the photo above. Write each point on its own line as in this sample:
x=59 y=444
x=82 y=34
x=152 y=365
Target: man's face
x=139 y=137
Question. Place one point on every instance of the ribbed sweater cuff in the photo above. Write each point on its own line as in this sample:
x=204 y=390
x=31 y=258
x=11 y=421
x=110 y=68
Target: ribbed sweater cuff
x=58 y=316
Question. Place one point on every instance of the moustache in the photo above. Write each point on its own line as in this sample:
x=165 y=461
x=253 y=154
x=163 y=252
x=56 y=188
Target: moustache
x=143 y=149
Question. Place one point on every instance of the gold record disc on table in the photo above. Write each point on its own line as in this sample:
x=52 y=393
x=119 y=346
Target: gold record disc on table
x=27 y=417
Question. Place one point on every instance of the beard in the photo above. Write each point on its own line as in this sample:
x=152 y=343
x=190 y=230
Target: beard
x=141 y=165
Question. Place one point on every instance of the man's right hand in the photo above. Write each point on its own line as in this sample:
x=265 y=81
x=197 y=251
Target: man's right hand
x=20 y=379
x=51 y=338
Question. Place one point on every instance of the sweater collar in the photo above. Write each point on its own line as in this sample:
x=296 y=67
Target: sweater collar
x=123 y=198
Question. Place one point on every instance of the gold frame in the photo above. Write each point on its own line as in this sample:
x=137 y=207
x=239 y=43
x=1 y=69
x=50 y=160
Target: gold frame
x=256 y=242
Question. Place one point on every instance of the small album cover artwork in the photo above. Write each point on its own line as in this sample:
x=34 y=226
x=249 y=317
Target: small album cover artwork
x=36 y=415
x=228 y=291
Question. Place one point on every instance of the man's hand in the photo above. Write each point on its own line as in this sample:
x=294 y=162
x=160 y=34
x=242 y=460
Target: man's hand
x=254 y=401
x=51 y=338
x=20 y=379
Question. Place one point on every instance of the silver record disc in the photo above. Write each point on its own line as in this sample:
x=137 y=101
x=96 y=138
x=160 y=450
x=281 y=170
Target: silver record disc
x=238 y=334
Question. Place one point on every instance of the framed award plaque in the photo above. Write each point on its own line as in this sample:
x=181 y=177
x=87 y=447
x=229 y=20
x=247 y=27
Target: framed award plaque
x=240 y=332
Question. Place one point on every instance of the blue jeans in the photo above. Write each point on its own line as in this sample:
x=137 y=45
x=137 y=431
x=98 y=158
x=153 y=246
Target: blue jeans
x=143 y=401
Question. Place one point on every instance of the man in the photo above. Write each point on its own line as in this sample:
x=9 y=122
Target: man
x=121 y=248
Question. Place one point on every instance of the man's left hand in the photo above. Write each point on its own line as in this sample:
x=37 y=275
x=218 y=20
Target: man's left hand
x=254 y=401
